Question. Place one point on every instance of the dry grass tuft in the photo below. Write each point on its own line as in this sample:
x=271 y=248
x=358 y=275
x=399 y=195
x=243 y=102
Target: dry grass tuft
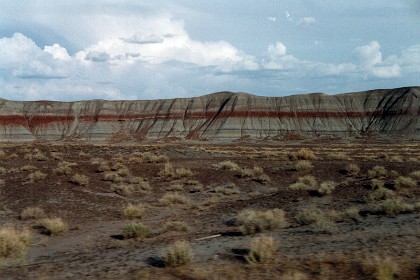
x=227 y=165
x=64 y=167
x=36 y=176
x=405 y=182
x=137 y=230
x=179 y=253
x=175 y=173
x=326 y=188
x=385 y=269
x=32 y=213
x=392 y=207
x=133 y=211
x=252 y=221
x=304 y=183
x=78 y=179
x=377 y=172
x=13 y=243
x=176 y=226
x=351 y=169
x=303 y=165
x=380 y=193
x=306 y=154
x=416 y=174
x=53 y=226
x=262 y=248
x=337 y=156
x=171 y=198
x=257 y=174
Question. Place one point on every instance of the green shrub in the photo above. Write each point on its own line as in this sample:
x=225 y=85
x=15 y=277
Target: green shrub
x=180 y=253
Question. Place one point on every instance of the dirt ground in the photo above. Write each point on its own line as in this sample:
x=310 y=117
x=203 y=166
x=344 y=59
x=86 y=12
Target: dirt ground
x=340 y=246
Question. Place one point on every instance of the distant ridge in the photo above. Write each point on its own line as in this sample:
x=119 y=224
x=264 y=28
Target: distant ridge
x=221 y=116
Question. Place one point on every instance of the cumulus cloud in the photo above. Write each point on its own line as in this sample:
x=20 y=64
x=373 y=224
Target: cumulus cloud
x=370 y=59
x=306 y=21
x=142 y=38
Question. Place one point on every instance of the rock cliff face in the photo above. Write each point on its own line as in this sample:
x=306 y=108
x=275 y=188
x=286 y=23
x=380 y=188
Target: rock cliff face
x=221 y=116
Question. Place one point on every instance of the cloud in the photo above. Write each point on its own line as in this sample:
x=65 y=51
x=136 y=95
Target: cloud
x=273 y=19
x=370 y=60
x=141 y=38
x=306 y=21
x=57 y=52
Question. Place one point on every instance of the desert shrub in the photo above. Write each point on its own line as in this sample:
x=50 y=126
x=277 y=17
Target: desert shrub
x=304 y=183
x=405 y=182
x=377 y=183
x=351 y=169
x=36 y=176
x=136 y=230
x=257 y=174
x=103 y=167
x=53 y=226
x=32 y=213
x=385 y=269
x=337 y=156
x=2 y=182
x=377 y=172
x=175 y=173
x=303 y=165
x=392 y=207
x=416 y=174
x=78 y=179
x=292 y=156
x=2 y=153
x=153 y=158
x=396 y=159
x=140 y=184
x=179 y=253
x=3 y=170
x=113 y=177
x=262 y=248
x=326 y=187
x=176 y=226
x=311 y=216
x=251 y=221
x=171 y=198
x=64 y=167
x=380 y=193
x=13 y=243
x=228 y=189
x=351 y=213
x=27 y=168
x=122 y=189
x=96 y=160
x=133 y=211
x=120 y=169
x=305 y=154
x=39 y=156
x=227 y=165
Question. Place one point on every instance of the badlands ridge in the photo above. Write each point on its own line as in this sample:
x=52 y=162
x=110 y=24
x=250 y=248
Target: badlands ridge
x=224 y=116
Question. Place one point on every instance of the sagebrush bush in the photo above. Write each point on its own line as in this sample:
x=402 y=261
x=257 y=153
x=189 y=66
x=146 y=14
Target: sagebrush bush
x=262 y=248
x=30 y=213
x=133 y=211
x=179 y=253
x=78 y=179
x=392 y=207
x=140 y=184
x=337 y=156
x=303 y=165
x=377 y=172
x=227 y=165
x=380 y=193
x=326 y=187
x=36 y=176
x=385 y=269
x=13 y=243
x=377 y=183
x=175 y=173
x=122 y=189
x=3 y=170
x=227 y=189
x=252 y=221
x=304 y=183
x=113 y=177
x=257 y=174
x=351 y=169
x=53 y=226
x=405 y=182
x=171 y=198
x=64 y=168
x=136 y=230
x=416 y=174
x=176 y=226
x=306 y=154
x=311 y=216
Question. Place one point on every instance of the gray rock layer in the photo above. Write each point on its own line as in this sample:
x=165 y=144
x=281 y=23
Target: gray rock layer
x=221 y=116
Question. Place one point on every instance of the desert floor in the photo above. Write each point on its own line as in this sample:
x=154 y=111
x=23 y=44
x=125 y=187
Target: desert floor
x=341 y=223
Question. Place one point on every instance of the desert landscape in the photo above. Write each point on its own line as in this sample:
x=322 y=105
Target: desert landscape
x=224 y=186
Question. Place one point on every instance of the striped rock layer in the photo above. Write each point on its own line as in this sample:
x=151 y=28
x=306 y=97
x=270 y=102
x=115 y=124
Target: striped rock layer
x=223 y=116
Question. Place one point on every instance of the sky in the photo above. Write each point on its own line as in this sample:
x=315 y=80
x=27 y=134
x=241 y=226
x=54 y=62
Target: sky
x=136 y=49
